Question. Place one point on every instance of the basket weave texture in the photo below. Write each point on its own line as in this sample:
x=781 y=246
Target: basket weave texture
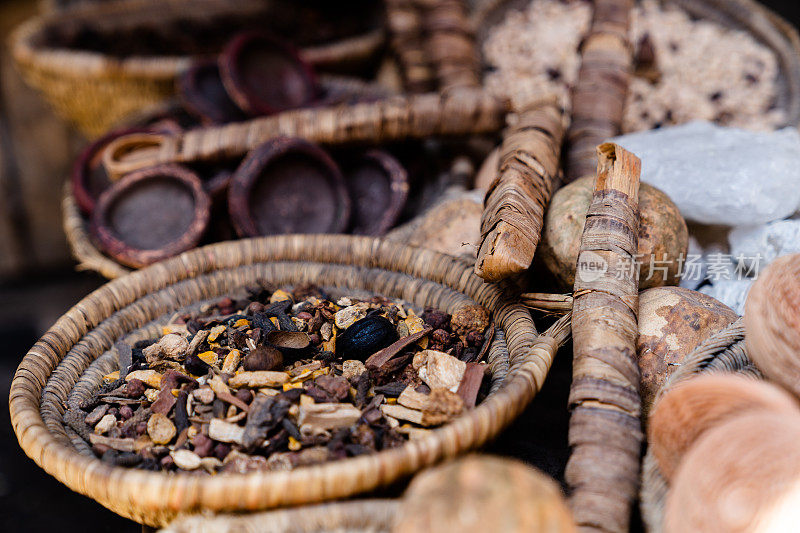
x=97 y=91
x=69 y=360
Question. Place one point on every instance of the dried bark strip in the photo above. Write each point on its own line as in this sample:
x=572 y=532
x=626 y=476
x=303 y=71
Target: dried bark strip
x=514 y=206
x=421 y=116
x=380 y=358
x=605 y=431
x=598 y=98
x=450 y=44
x=404 y=19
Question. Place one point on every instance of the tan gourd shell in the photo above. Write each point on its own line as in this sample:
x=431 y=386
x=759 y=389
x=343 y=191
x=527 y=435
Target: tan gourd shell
x=692 y=407
x=772 y=322
x=673 y=321
x=742 y=476
x=662 y=234
x=480 y=494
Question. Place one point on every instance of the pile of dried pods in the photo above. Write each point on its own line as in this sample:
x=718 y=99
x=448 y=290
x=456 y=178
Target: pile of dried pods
x=264 y=383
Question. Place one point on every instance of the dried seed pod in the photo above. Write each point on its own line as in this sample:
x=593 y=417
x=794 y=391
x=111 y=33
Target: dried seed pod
x=151 y=214
x=366 y=337
x=264 y=75
x=663 y=236
x=684 y=413
x=739 y=476
x=378 y=187
x=771 y=322
x=673 y=321
x=201 y=89
x=288 y=185
x=291 y=343
x=465 y=496
x=263 y=358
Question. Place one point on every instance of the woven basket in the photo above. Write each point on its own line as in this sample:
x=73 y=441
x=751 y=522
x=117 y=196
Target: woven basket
x=724 y=351
x=70 y=359
x=97 y=91
x=746 y=15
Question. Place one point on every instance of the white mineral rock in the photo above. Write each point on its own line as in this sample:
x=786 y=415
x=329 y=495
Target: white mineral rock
x=718 y=175
x=731 y=292
x=758 y=246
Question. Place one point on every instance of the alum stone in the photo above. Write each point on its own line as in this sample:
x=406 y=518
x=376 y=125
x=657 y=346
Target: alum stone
x=718 y=175
x=758 y=246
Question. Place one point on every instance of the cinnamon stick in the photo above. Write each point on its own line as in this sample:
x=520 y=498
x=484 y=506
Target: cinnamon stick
x=394 y=118
x=605 y=430
x=598 y=99
x=515 y=202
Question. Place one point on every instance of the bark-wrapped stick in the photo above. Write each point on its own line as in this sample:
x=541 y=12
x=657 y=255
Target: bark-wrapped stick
x=605 y=429
x=515 y=202
x=598 y=99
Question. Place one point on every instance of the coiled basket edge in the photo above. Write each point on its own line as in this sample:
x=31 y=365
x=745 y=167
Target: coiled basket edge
x=50 y=370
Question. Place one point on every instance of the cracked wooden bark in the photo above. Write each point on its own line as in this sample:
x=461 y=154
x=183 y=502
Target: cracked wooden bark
x=605 y=430
x=598 y=99
x=515 y=202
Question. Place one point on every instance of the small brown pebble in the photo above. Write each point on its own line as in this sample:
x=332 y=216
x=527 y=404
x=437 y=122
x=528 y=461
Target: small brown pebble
x=125 y=412
x=160 y=429
x=135 y=388
x=203 y=446
x=244 y=395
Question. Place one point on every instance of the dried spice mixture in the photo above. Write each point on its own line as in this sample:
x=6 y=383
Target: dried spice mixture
x=285 y=378
x=686 y=69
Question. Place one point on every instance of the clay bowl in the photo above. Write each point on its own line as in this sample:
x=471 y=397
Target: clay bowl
x=201 y=89
x=89 y=178
x=288 y=185
x=151 y=214
x=378 y=187
x=264 y=75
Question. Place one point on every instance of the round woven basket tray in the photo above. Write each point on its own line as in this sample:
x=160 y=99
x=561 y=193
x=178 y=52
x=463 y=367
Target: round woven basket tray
x=723 y=352
x=71 y=358
x=97 y=91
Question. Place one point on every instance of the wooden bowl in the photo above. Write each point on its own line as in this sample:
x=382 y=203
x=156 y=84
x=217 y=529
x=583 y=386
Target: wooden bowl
x=378 y=187
x=203 y=93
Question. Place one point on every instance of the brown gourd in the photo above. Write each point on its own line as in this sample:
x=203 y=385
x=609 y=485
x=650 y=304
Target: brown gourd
x=741 y=476
x=772 y=322
x=673 y=321
x=663 y=236
x=481 y=493
x=684 y=413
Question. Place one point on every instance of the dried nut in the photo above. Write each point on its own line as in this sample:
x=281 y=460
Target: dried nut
x=352 y=368
x=689 y=409
x=225 y=431
x=771 y=322
x=470 y=318
x=439 y=370
x=106 y=423
x=739 y=476
x=263 y=358
x=160 y=429
x=231 y=362
x=263 y=378
x=172 y=346
x=150 y=377
x=464 y=495
x=412 y=399
x=186 y=460
x=347 y=316
x=328 y=415
x=151 y=395
x=673 y=321
x=204 y=395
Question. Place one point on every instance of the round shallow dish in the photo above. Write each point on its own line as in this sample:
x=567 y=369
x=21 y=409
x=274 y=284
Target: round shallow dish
x=378 y=187
x=203 y=93
x=151 y=214
x=288 y=185
x=75 y=353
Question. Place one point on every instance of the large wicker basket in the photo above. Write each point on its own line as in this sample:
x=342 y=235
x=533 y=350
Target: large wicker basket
x=69 y=360
x=97 y=91
x=724 y=351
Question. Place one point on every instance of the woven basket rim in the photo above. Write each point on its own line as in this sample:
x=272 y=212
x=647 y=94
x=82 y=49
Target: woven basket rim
x=169 y=493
